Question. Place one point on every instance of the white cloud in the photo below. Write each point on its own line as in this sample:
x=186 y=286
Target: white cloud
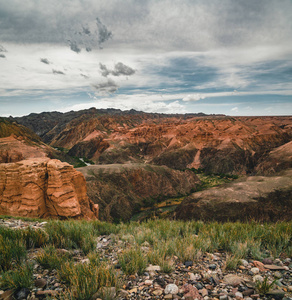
x=193 y=97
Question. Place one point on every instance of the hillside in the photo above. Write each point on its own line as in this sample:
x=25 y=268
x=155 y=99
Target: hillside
x=123 y=189
x=218 y=144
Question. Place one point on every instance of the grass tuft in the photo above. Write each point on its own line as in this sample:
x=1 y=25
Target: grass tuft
x=19 y=278
x=133 y=261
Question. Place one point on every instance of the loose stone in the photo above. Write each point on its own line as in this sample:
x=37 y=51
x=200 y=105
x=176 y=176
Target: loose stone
x=171 y=289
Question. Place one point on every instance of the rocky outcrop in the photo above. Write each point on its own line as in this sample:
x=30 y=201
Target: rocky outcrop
x=251 y=198
x=121 y=190
x=275 y=161
x=13 y=149
x=44 y=188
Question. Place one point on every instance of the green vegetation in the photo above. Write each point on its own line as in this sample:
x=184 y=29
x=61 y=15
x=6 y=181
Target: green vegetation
x=133 y=261
x=156 y=242
x=265 y=286
x=18 y=278
x=86 y=280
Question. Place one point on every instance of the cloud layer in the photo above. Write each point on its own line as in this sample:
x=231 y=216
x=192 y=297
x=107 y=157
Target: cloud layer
x=183 y=54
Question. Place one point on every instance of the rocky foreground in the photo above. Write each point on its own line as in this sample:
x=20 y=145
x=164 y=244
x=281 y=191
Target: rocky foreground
x=205 y=278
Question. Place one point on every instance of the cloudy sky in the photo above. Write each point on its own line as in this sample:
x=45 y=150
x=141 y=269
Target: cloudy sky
x=173 y=56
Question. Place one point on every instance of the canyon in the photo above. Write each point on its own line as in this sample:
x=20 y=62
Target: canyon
x=131 y=159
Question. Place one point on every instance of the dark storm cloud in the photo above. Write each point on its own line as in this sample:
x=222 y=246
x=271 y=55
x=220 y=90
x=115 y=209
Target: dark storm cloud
x=2 y=55
x=169 y=24
x=86 y=30
x=74 y=47
x=104 y=70
x=106 y=87
x=103 y=33
x=45 y=61
x=119 y=69
x=58 y=72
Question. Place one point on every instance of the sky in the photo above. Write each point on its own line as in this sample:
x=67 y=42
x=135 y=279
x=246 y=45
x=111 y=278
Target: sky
x=230 y=57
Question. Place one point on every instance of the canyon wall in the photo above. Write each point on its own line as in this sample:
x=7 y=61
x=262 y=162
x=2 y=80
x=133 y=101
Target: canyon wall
x=121 y=190
x=44 y=188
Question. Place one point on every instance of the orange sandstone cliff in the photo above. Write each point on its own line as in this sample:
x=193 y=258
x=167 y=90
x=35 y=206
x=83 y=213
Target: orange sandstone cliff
x=43 y=187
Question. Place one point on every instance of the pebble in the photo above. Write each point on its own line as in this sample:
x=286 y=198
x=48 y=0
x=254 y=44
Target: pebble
x=255 y=270
x=244 y=262
x=258 y=278
x=212 y=267
x=153 y=268
x=148 y=282
x=40 y=283
x=278 y=274
x=188 y=264
x=157 y=292
x=238 y=294
x=171 y=289
x=267 y=261
x=233 y=280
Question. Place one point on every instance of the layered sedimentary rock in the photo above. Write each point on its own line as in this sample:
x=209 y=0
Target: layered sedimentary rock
x=275 y=161
x=13 y=149
x=121 y=190
x=250 y=198
x=218 y=144
x=43 y=187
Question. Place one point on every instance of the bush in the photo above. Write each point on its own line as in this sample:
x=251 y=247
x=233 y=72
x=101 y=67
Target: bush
x=86 y=280
x=11 y=252
x=72 y=235
x=133 y=261
x=16 y=279
x=50 y=258
x=34 y=237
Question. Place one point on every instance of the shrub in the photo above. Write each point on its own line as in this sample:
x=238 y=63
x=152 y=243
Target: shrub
x=72 y=235
x=50 y=258
x=20 y=278
x=133 y=261
x=85 y=280
x=34 y=237
x=11 y=252
x=232 y=262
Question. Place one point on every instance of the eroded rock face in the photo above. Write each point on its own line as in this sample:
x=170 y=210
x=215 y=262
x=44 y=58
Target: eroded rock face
x=43 y=187
x=275 y=161
x=216 y=144
x=251 y=198
x=122 y=190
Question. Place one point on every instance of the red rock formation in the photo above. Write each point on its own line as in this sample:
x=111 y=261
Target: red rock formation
x=13 y=149
x=217 y=144
x=276 y=160
x=44 y=188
